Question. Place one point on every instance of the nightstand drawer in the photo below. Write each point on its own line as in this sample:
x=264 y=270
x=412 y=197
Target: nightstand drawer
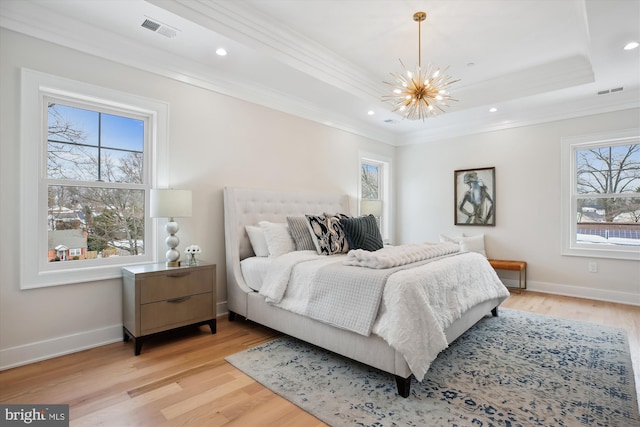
x=176 y=284
x=175 y=312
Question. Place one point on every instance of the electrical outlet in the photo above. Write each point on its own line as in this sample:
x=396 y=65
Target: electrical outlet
x=593 y=267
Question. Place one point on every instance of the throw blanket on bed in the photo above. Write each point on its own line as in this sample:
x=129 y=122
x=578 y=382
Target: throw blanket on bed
x=349 y=297
x=394 y=256
x=340 y=295
x=420 y=303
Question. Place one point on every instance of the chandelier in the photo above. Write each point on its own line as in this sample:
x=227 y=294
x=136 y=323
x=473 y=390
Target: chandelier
x=421 y=94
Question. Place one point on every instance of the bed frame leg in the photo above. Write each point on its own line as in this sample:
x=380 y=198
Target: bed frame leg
x=232 y=316
x=404 y=385
x=494 y=311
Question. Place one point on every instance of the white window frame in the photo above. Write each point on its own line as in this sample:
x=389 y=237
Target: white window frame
x=384 y=190
x=569 y=196
x=35 y=271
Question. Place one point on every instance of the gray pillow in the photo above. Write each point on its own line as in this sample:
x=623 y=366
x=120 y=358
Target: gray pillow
x=362 y=233
x=299 y=230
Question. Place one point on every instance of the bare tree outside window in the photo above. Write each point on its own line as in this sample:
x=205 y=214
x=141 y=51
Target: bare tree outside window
x=370 y=181
x=95 y=162
x=608 y=194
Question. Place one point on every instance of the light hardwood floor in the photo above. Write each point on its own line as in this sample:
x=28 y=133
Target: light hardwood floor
x=183 y=380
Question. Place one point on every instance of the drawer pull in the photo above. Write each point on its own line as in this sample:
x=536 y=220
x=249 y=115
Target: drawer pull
x=176 y=300
x=186 y=273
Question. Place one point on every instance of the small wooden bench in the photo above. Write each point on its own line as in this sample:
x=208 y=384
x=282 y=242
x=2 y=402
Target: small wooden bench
x=520 y=266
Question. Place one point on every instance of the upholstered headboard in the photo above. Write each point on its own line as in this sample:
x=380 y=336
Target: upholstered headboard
x=244 y=206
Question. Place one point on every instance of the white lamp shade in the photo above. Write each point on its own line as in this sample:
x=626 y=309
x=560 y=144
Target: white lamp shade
x=371 y=207
x=166 y=203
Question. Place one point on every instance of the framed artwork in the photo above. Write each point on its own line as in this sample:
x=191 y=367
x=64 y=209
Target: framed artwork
x=475 y=196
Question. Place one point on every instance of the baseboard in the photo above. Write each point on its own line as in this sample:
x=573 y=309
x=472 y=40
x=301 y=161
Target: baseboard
x=578 y=292
x=48 y=349
x=222 y=309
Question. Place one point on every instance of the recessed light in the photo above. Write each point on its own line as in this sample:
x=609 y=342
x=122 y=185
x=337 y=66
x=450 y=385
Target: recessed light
x=493 y=109
x=221 y=52
x=370 y=112
x=631 y=45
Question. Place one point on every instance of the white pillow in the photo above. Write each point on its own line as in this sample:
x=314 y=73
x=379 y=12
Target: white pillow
x=467 y=243
x=257 y=239
x=454 y=239
x=279 y=240
x=473 y=244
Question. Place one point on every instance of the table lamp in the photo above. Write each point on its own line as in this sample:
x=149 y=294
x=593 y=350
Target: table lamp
x=169 y=203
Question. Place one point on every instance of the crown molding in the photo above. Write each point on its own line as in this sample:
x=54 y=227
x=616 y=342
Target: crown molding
x=557 y=75
x=474 y=121
x=238 y=21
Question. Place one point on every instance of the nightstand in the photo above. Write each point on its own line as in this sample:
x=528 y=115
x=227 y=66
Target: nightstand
x=157 y=298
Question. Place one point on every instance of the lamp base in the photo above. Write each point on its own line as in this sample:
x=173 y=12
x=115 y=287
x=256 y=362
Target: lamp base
x=172 y=255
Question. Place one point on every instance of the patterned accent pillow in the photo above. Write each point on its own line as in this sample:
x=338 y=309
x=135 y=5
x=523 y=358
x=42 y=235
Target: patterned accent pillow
x=299 y=229
x=329 y=237
x=362 y=233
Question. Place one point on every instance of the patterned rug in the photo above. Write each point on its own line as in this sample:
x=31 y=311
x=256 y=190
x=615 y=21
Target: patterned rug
x=518 y=369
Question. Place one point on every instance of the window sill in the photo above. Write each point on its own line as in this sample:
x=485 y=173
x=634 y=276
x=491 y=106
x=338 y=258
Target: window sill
x=31 y=279
x=594 y=252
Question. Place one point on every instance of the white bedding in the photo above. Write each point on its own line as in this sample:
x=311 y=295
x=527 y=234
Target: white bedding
x=417 y=303
x=254 y=270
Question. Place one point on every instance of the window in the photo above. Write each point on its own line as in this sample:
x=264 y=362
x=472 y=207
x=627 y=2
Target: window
x=85 y=203
x=95 y=182
x=601 y=195
x=374 y=191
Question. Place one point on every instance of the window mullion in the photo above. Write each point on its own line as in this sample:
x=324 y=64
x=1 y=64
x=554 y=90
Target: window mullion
x=95 y=184
x=100 y=146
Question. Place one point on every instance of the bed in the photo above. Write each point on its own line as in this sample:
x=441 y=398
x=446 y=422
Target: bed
x=248 y=207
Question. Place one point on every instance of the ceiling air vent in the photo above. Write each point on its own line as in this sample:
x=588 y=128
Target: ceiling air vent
x=160 y=28
x=604 y=92
x=150 y=25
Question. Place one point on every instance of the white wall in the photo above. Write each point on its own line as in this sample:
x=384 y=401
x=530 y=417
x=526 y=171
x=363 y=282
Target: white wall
x=215 y=141
x=527 y=162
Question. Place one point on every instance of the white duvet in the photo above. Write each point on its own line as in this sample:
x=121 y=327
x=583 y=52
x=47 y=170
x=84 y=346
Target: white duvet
x=417 y=305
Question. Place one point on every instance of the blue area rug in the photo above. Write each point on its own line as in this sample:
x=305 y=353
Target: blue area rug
x=518 y=369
